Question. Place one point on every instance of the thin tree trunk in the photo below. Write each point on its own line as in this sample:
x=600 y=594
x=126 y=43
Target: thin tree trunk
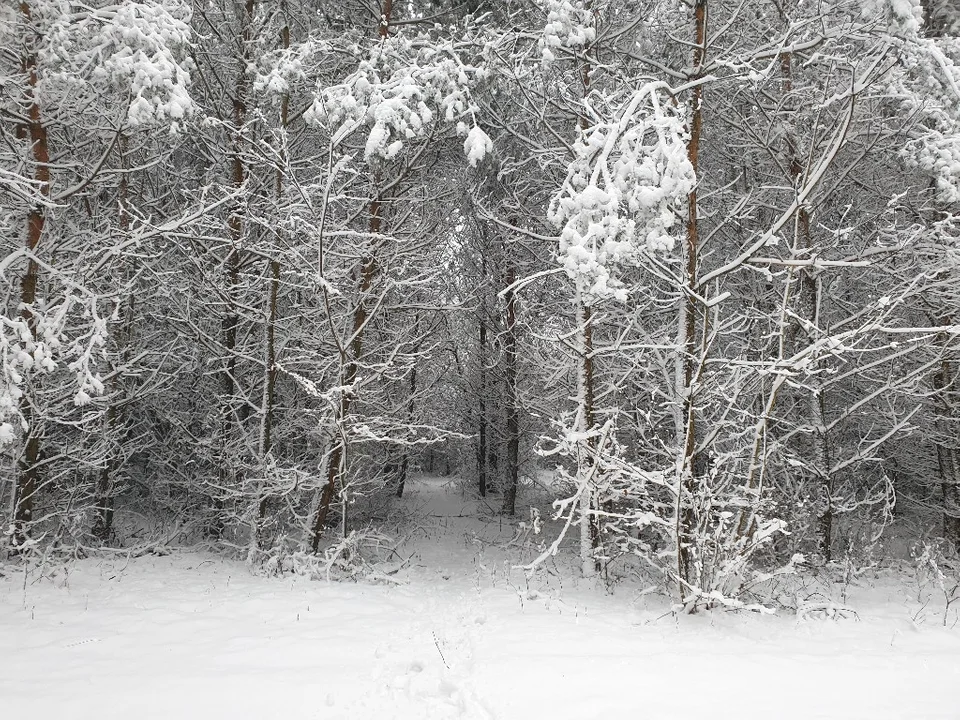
x=688 y=324
x=589 y=537
x=513 y=411
x=233 y=411
x=103 y=499
x=589 y=530
x=411 y=406
x=334 y=469
x=368 y=271
x=947 y=456
x=28 y=473
x=270 y=329
x=808 y=305
x=482 y=397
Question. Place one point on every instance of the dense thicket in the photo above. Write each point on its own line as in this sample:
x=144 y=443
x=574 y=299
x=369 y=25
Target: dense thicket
x=697 y=260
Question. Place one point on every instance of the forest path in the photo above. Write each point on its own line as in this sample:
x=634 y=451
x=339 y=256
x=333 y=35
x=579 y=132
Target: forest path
x=193 y=635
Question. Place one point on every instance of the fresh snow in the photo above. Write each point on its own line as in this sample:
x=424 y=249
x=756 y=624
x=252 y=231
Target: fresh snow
x=193 y=635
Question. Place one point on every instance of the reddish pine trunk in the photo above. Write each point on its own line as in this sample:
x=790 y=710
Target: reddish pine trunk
x=28 y=477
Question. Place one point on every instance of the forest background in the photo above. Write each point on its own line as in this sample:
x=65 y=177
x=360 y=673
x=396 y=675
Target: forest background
x=691 y=266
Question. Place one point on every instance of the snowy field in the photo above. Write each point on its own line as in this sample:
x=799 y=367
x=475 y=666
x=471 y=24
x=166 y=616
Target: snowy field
x=195 y=636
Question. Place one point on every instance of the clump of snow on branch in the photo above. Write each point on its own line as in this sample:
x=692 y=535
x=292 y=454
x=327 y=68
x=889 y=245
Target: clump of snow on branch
x=134 y=46
x=619 y=200
x=935 y=149
x=477 y=145
x=926 y=83
x=570 y=24
x=397 y=94
x=279 y=70
x=40 y=350
x=903 y=17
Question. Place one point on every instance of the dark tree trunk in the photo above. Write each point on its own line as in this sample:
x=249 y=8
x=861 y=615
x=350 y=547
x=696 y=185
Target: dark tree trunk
x=808 y=309
x=482 y=406
x=368 y=272
x=28 y=471
x=270 y=330
x=234 y=410
x=691 y=463
x=405 y=459
x=513 y=412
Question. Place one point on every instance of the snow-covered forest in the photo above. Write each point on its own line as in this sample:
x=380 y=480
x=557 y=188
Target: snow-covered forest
x=668 y=289
x=697 y=261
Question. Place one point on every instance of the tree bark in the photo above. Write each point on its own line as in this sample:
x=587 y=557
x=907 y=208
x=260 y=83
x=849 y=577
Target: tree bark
x=947 y=460
x=405 y=459
x=808 y=305
x=589 y=536
x=270 y=328
x=28 y=472
x=513 y=411
x=369 y=269
x=688 y=325
x=104 y=500
x=233 y=410
x=482 y=394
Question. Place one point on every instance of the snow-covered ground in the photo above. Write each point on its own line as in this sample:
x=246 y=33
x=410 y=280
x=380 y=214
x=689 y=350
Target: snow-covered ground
x=195 y=636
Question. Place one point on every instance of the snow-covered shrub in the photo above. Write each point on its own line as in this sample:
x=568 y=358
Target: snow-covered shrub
x=925 y=86
x=354 y=557
x=936 y=567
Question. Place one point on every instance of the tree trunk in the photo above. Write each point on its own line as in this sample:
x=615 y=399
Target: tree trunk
x=513 y=411
x=233 y=410
x=947 y=459
x=589 y=536
x=482 y=397
x=405 y=460
x=809 y=308
x=368 y=271
x=950 y=488
x=28 y=472
x=334 y=470
x=688 y=325
x=270 y=329
x=103 y=500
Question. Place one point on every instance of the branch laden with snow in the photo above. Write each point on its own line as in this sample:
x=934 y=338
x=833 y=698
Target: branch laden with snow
x=133 y=47
x=397 y=93
x=41 y=351
x=619 y=200
x=926 y=85
x=570 y=24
